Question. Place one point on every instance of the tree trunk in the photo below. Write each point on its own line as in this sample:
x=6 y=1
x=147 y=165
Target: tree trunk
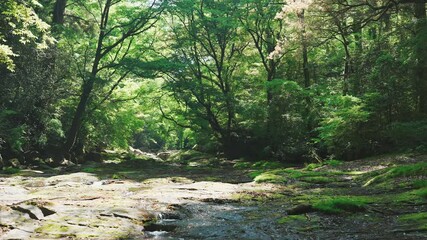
x=421 y=54
x=59 y=11
x=78 y=115
x=84 y=100
x=347 y=69
x=87 y=87
x=271 y=74
x=306 y=70
x=357 y=83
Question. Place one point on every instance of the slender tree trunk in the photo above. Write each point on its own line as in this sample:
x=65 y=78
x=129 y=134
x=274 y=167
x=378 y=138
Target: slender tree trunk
x=59 y=11
x=358 y=38
x=305 y=65
x=357 y=83
x=346 y=70
x=421 y=53
x=81 y=109
x=270 y=64
x=306 y=70
x=78 y=116
x=87 y=87
x=271 y=74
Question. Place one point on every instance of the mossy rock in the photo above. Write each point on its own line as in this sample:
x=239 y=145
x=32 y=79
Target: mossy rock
x=53 y=229
x=408 y=171
x=286 y=174
x=341 y=205
x=318 y=179
x=242 y=165
x=270 y=177
x=412 y=196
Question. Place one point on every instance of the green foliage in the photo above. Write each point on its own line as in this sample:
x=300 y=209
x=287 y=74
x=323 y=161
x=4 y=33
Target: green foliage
x=313 y=166
x=333 y=162
x=117 y=176
x=20 y=25
x=11 y=170
x=112 y=128
x=287 y=127
x=220 y=76
x=341 y=128
x=408 y=134
x=89 y=170
x=267 y=165
x=11 y=131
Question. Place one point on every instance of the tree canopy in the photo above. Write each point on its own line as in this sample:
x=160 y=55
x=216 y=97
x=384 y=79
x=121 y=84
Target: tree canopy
x=293 y=80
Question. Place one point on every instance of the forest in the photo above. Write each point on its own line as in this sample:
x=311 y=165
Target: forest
x=301 y=94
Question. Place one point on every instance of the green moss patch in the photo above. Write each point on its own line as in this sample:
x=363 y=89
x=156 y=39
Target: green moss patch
x=270 y=177
x=421 y=192
x=284 y=175
x=410 y=170
x=260 y=165
x=422 y=216
x=419 y=184
x=341 y=205
x=318 y=179
x=89 y=170
x=52 y=228
x=412 y=196
x=415 y=220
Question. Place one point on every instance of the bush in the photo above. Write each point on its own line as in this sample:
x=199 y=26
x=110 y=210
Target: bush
x=341 y=129
x=12 y=132
x=11 y=170
x=287 y=132
x=408 y=134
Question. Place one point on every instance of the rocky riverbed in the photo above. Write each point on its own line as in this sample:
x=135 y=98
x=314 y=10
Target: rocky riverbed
x=195 y=199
